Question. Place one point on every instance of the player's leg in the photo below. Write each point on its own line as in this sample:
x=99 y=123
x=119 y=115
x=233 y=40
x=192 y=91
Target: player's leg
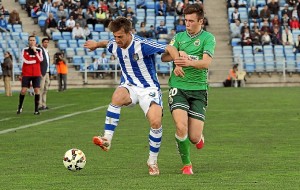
x=120 y=97
x=42 y=92
x=196 y=132
x=25 y=83
x=36 y=83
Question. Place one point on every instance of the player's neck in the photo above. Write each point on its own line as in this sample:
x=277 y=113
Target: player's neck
x=194 y=34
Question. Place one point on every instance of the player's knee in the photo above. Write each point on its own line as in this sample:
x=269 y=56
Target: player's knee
x=155 y=123
x=194 y=140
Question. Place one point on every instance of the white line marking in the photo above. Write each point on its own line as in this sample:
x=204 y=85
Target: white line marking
x=5 y=119
x=50 y=120
x=58 y=107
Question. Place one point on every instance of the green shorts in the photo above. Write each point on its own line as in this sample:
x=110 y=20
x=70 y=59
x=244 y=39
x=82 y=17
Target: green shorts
x=192 y=101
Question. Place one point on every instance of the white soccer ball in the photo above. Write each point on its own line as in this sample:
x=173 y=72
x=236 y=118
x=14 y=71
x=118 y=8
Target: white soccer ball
x=74 y=159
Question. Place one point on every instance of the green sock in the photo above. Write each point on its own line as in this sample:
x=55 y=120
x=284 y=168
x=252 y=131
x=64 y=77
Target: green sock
x=184 y=149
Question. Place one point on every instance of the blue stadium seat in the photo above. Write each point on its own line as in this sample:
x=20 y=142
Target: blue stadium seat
x=53 y=70
x=62 y=44
x=67 y=35
x=15 y=36
x=269 y=62
x=278 y=50
x=235 y=41
x=72 y=43
x=150 y=12
x=247 y=50
x=56 y=36
x=42 y=21
x=280 y=62
x=141 y=12
x=95 y=36
x=77 y=60
x=290 y=63
x=150 y=5
x=24 y=36
x=80 y=51
x=249 y=63
x=268 y=49
x=81 y=43
x=70 y=52
x=91 y=28
x=298 y=62
x=17 y=28
x=259 y=63
x=99 y=27
x=22 y=2
x=104 y=35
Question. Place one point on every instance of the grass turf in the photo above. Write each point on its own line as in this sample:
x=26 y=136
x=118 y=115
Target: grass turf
x=252 y=142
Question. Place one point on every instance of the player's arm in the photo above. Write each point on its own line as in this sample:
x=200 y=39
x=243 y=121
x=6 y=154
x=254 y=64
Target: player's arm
x=198 y=64
x=172 y=52
x=92 y=45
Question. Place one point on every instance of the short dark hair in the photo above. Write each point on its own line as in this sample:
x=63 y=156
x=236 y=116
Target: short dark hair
x=119 y=23
x=44 y=39
x=31 y=36
x=194 y=8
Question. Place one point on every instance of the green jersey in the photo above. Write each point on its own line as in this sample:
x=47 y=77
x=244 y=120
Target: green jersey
x=194 y=46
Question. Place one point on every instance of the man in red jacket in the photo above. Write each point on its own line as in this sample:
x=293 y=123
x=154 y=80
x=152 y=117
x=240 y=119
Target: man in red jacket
x=31 y=72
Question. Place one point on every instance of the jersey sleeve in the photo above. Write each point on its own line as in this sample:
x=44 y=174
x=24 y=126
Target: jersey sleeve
x=174 y=41
x=150 y=47
x=109 y=46
x=209 y=47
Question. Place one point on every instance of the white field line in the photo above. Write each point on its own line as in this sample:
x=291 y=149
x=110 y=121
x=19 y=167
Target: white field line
x=5 y=119
x=55 y=119
x=50 y=120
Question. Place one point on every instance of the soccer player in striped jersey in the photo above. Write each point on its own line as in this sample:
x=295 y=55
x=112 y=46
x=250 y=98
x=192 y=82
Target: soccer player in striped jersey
x=139 y=84
x=188 y=83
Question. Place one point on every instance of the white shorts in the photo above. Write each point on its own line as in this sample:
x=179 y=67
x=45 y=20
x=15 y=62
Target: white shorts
x=144 y=96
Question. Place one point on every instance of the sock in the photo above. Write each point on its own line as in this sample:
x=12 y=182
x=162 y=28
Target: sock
x=111 y=121
x=36 y=102
x=21 y=100
x=183 y=145
x=154 y=144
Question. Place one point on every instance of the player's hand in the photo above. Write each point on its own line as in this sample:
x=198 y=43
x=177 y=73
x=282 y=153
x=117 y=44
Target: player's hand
x=178 y=71
x=183 y=62
x=183 y=54
x=91 y=45
x=33 y=48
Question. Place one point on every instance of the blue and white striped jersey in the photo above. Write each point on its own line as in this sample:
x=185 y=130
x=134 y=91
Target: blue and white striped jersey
x=137 y=61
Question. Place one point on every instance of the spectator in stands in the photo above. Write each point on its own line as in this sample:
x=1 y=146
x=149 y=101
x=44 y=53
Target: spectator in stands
x=179 y=18
x=171 y=8
x=37 y=11
x=107 y=21
x=141 y=4
x=180 y=27
x=122 y=8
x=62 y=71
x=171 y=36
x=246 y=38
x=29 y=5
x=160 y=8
x=235 y=15
x=47 y=6
x=113 y=65
x=103 y=6
x=273 y=7
x=152 y=32
x=256 y=37
x=87 y=32
x=265 y=27
x=3 y=24
x=113 y=8
x=297 y=45
x=80 y=12
x=100 y=16
x=295 y=12
x=265 y=14
x=254 y=26
x=14 y=17
x=245 y=26
x=70 y=23
x=81 y=21
x=90 y=17
x=253 y=14
x=287 y=37
x=3 y=11
x=179 y=8
x=142 y=31
x=265 y=38
x=161 y=30
x=286 y=11
x=61 y=12
x=242 y=3
x=294 y=24
x=291 y=3
x=205 y=23
x=232 y=3
x=133 y=19
x=103 y=65
x=92 y=7
x=62 y=25
x=51 y=26
x=7 y=69
x=37 y=38
x=235 y=30
x=276 y=37
x=78 y=32
x=285 y=20
x=74 y=13
x=275 y=21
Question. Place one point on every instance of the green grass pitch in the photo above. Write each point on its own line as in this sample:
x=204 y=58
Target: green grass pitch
x=251 y=134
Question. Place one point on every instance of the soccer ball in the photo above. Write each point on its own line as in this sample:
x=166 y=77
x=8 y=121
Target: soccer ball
x=74 y=159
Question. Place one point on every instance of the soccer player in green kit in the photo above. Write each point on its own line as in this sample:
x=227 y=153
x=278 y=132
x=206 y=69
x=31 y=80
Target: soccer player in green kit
x=188 y=83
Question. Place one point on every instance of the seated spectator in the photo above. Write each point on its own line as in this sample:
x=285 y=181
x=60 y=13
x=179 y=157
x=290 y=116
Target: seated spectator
x=152 y=32
x=161 y=30
x=113 y=8
x=70 y=23
x=122 y=8
x=179 y=18
x=256 y=37
x=51 y=26
x=47 y=6
x=291 y=3
x=245 y=26
x=171 y=36
x=113 y=65
x=90 y=18
x=255 y=26
x=78 y=32
x=287 y=37
x=294 y=23
x=87 y=32
x=133 y=19
x=62 y=25
x=100 y=16
x=142 y=32
x=103 y=6
x=273 y=7
x=61 y=12
x=253 y=14
x=246 y=38
x=276 y=38
x=103 y=65
x=92 y=7
x=3 y=24
x=81 y=21
x=36 y=11
x=160 y=8
x=3 y=11
x=265 y=27
x=141 y=4
x=265 y=38
x=242 y=3
x=232 y=3
x=285 y=20
x=265 y=14
x=235 y=15
x=14 y=17
x=180 y=27
x=297 y=45
x=232 y=78
x=179 y=8
x=286 y=11
x=236 y=30
x=107 y=21
x=73 y=13
x=294 y=12
x=29 y=5
x=171 y=7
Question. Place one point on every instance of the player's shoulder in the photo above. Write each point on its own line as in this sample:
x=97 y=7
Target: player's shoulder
x=207 y=34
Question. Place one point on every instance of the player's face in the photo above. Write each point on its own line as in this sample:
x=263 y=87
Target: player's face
x=32 y=41
x=122 y=38
x=193 y=24
x=45 y=43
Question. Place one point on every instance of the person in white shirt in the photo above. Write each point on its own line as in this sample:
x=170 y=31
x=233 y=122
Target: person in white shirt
x=78 y=32
x=70 y=23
